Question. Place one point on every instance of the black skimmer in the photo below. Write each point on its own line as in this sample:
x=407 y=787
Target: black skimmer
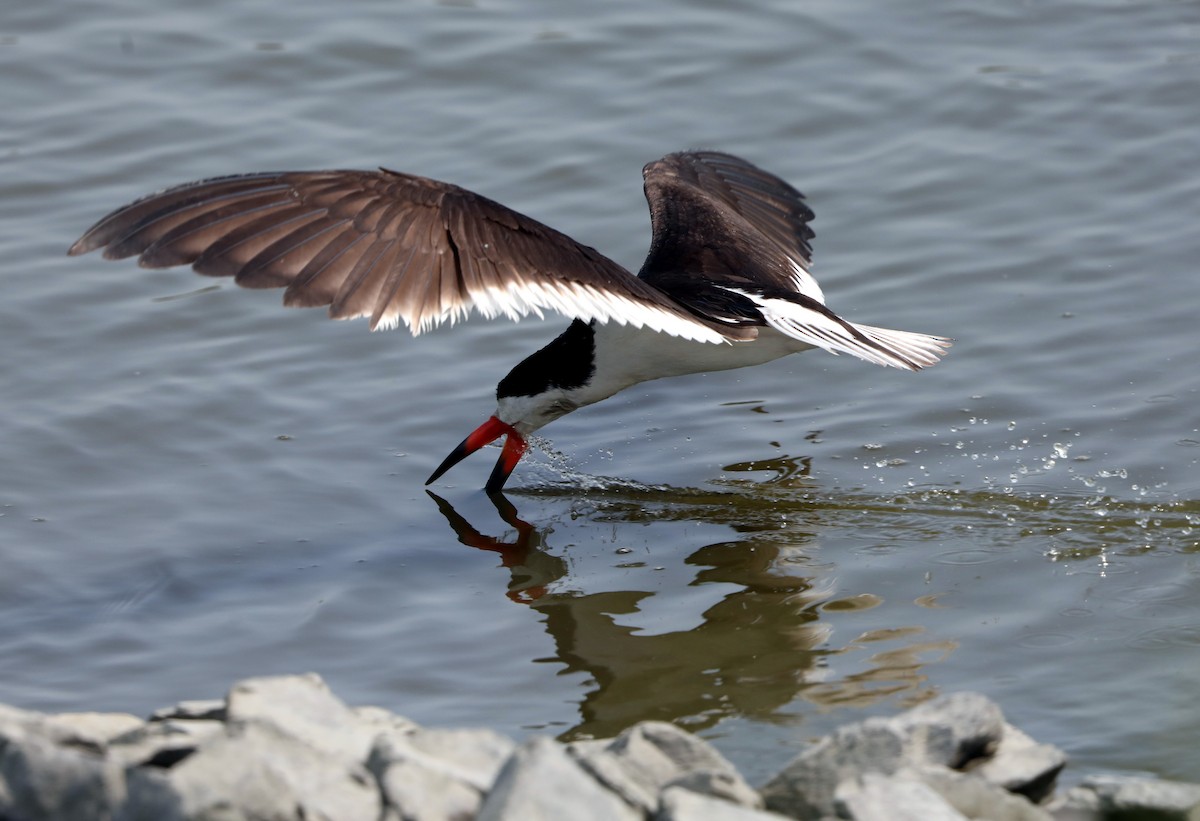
x=725 y=284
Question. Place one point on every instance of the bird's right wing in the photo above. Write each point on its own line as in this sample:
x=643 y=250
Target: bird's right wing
x=720 y=219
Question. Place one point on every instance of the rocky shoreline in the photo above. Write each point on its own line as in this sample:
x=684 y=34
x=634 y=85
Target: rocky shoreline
x=287 y=748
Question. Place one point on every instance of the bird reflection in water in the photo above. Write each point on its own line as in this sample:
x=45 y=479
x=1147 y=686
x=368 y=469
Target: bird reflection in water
x=533 y=569
x=759 y=641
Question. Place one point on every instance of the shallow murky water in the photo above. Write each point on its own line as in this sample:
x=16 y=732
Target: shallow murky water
x=198 y=485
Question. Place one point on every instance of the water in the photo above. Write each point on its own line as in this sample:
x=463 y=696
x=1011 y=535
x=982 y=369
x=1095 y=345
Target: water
x=199 y=486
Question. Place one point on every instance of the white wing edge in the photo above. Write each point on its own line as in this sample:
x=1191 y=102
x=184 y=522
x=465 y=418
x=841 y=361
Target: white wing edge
x=805 y=283
x=571 y=299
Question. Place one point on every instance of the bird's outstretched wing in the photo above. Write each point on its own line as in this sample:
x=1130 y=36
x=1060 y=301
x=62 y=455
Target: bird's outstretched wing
x=731 y=244
x=389 y=246
x=717 y=217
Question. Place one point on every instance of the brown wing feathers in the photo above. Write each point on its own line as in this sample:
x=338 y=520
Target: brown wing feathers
x=384 y=245
x=718 y=215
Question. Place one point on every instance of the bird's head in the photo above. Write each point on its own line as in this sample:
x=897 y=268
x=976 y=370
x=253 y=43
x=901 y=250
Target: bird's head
x=540 y=389
x=516 y=417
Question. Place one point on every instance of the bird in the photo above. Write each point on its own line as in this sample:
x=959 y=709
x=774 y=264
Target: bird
x=726 y=283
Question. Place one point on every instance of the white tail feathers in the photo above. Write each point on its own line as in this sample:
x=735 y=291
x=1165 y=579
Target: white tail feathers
x=904 y=349
x=896 y=349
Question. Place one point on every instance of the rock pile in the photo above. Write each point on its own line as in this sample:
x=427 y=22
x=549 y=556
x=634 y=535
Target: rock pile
x=287 y=748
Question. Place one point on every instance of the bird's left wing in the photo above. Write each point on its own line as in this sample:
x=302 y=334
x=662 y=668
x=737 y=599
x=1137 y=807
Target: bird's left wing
x=389 y=246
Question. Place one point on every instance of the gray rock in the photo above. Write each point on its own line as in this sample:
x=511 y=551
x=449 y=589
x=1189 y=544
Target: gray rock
x=644 y=759
x=253 y=770
x=877 y=797
x=541 y=782
x=951 y=731
x=1022 y=765
x=15 y=715
x=151 y=796
x=1128 y=797
x=85 y=731
x=303 y=707
x=162 y=743
x=53 y=771
x=805 y=787
x=662 y=745
x=611 y=771
x=435 y=774
x=724 y=785
x=212 y=709
x=383 y=721
x=974 y=797
x=94 y=728
x=287 y=748
x=587 y=746
x=680 y=804
x=472 y=756
x=416 y=792
x=1073 y=806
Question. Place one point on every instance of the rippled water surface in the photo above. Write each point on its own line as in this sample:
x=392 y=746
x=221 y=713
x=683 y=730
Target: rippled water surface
x=198 y=485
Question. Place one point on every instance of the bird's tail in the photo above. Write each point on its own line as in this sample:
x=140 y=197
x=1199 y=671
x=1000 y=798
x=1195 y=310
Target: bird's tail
x=896 y=349
x=811 y=321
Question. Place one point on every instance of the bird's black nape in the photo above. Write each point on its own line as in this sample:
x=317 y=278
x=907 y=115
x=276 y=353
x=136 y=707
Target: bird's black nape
x=566 y=363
